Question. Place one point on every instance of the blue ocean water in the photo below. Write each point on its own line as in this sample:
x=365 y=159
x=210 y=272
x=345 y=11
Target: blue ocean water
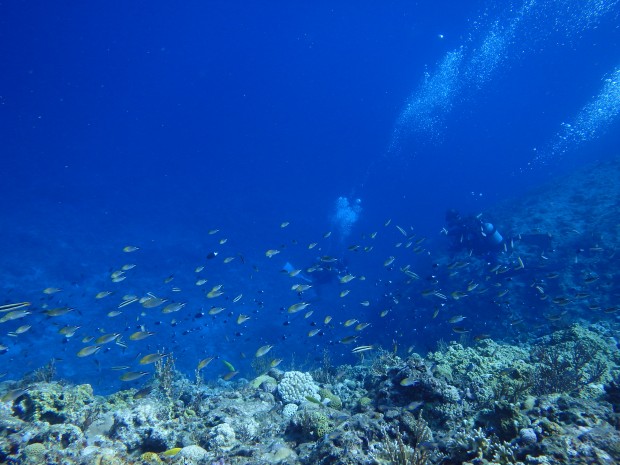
x=150 y=124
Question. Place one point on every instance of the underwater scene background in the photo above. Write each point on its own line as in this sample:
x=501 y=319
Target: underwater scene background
x=346 y=232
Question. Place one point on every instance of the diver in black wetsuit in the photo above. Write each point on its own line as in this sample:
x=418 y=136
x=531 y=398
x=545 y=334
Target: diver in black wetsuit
x=329 y=272
x=471 y=233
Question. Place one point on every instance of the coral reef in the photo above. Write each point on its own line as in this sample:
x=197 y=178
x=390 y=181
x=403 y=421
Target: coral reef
x=462 y=404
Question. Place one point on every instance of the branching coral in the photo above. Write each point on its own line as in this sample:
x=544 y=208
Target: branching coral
x=399 y=452
x=567 y=369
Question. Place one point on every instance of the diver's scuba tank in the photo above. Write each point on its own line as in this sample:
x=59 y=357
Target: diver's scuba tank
x=492 y=234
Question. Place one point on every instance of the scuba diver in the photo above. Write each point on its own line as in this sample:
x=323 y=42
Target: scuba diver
x=325 y=271
x=329 y=270
x=471 y=233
